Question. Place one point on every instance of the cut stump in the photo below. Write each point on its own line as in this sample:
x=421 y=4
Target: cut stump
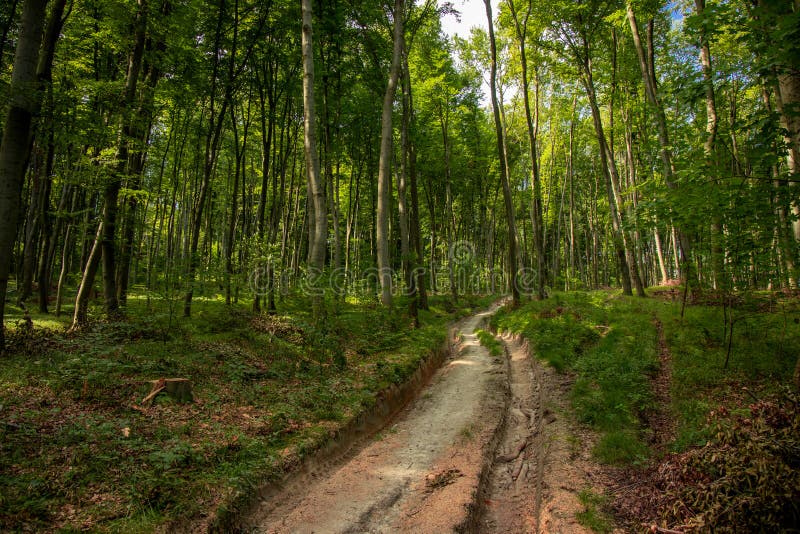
x=180 y=389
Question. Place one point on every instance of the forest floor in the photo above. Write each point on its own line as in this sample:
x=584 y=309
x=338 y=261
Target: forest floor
x=586 y=412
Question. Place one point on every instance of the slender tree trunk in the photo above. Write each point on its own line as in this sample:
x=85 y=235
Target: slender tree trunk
x=106 y=248
x=239 y=154
x=213 y=137
x=402 y=196
x=616 y=225
x=415 y=233
x=45 y=255
x=140 y=129
x=659 y=252
x=536 y=197
x=509 y=205
x=712 y=121
x=316 y=189
x=385 y=161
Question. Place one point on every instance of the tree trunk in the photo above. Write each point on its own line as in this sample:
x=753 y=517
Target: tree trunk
x=647 y=67
x=619 y=244
x=712 y=121
x=316 y=189
x=509 y=205
x=415 y=233
x=402 y=195
x=536 y=197
x=385 y=161
x=214 y=134
x=23 y=102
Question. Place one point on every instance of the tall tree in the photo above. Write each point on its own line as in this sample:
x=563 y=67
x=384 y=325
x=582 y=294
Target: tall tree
x=385 y=162
x=647 y=68
x=316 y=187
x=501 y=151
x=105 y=245
x=521 y=29
x=24 y=100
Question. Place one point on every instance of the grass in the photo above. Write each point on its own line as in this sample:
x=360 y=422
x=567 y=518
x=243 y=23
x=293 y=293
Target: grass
x=593 y=516
x=491 y=343
x=611 y=347
x=610 y=343
x=78 y=451
x=763 y=355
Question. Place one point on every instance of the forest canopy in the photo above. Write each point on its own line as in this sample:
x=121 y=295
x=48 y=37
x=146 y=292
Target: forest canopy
x=184 y=148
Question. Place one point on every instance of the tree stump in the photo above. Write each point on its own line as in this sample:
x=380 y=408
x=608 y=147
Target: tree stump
x=180 y=389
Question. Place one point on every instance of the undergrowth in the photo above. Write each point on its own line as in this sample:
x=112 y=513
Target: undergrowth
x=491 y=343
x=746 y=478
x=610 y=346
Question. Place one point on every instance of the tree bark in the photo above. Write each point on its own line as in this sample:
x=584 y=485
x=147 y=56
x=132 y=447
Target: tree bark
x=536 y=196
x=316 y=189
x=616 y=224
x=385 y=161
x=712 y=122
x=647 y=67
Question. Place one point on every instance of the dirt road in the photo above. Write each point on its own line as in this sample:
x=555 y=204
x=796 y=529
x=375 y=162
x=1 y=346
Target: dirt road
x=481 y=449
x=421 y=472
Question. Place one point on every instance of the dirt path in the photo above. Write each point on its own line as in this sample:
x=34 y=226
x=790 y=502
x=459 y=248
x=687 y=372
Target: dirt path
x=486 y=447
x=423 y=473
x=543 y=461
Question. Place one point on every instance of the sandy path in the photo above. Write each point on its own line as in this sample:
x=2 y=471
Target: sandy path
x=421 y=475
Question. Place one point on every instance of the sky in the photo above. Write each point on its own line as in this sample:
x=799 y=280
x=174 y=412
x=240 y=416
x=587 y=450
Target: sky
x=473 y=13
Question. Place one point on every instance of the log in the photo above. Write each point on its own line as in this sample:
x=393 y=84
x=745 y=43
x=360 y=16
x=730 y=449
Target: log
x=180 y=389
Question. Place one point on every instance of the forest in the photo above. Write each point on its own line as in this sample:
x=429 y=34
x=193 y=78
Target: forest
x=285 y=203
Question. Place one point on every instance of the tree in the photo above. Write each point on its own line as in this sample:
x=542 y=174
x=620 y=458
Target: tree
x=316 y=190
x=385 y=162
x=501 y=150
x=521 y=28
x=24 y=100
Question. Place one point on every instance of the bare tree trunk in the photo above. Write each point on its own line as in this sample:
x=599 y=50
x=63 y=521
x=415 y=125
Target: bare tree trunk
x=239 y=155
x=402 y=196
x=616 y=224
x=712 y=121
x=536 y=197
x=647 y=67
x=415 y=234
x=316 y=189
x=385 y=161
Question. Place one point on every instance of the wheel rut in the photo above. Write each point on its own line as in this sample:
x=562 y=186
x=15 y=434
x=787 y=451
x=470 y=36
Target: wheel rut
x=543 y=460
x=486 y=446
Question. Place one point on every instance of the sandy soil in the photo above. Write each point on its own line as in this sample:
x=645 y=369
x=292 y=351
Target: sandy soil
x=420 y=474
